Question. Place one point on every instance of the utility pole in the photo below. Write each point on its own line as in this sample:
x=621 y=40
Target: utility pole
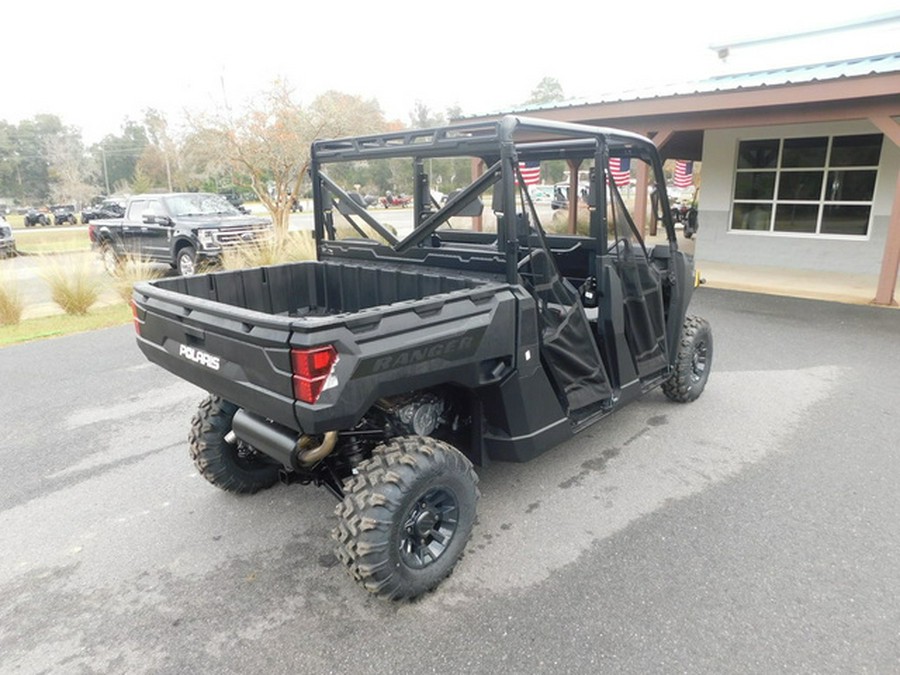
x=105 y=169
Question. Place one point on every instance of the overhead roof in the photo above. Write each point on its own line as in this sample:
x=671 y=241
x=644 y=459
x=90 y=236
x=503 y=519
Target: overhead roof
x=677 y=115
x=821 y=72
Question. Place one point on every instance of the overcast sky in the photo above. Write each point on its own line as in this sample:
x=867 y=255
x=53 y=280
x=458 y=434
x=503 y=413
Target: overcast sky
x=95 y=63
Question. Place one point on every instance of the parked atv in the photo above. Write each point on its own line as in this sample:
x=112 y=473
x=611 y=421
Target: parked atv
x=687 y=216
x=390 y=200
x=64 y=213
x=34 y=217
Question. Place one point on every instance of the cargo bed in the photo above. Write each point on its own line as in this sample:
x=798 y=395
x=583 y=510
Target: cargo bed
x=231 y=333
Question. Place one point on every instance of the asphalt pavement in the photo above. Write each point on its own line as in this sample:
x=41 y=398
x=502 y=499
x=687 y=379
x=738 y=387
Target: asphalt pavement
x=754 y=530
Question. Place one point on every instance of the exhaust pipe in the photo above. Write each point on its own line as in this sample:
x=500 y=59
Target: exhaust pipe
x=308 y=457
x=280 y=443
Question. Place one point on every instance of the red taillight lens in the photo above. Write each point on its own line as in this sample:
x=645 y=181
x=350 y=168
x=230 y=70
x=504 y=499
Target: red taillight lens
x=312 y=368
x=134 y=314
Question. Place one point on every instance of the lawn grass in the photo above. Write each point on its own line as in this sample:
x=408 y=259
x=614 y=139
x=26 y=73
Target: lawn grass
x=64 y=324
x=43 y=240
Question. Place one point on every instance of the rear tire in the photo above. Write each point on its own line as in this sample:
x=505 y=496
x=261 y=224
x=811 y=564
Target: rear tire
x=112 y=263
x=406 y=516
x=692 y=363
x=230 y=466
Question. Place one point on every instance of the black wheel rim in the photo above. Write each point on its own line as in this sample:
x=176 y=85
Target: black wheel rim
x=428 y=528
x=699 y=362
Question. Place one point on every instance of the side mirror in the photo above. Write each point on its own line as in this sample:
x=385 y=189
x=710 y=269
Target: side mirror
x=165 y=221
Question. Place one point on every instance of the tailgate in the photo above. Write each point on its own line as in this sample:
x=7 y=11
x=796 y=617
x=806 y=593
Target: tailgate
x=239 y=354
x=204 y=330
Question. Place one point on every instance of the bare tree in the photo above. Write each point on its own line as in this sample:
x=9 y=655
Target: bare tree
x=161 y=144
x=269 y=144
x=68 y=168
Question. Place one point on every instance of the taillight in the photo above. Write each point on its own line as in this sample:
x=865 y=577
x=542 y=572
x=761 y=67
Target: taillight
x=312 y=369
x=134 y=316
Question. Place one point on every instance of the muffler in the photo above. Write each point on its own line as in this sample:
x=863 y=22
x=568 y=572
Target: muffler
x=283 y=445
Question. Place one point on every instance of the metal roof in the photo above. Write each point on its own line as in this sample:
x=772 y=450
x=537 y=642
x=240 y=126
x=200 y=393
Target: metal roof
x=804 y=74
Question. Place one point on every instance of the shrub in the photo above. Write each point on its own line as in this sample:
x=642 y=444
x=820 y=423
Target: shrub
x=559 y=222
x=132 y=270
x=73 y=280
x=289 y=247
x=11 y=304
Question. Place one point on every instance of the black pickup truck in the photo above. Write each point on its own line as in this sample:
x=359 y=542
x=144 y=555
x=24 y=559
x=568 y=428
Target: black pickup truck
x=186 y=230
x=389 y=367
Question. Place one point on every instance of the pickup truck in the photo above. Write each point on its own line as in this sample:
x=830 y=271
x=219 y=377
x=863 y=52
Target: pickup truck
x=7 y=239
x=389 y=367
x=188 y=230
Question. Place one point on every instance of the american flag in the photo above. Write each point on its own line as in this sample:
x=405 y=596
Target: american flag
x=531 y=172
x=684 y=174
x=620 y=168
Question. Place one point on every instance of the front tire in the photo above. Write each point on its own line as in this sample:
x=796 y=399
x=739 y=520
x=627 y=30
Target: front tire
x=230 y=465
x=406 y=516
x=692 y=362
x=186 y=261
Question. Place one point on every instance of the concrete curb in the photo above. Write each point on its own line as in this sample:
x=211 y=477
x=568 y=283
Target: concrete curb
x=808 y=284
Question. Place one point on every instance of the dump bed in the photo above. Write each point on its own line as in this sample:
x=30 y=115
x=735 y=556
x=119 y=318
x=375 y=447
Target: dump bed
x=393 y=330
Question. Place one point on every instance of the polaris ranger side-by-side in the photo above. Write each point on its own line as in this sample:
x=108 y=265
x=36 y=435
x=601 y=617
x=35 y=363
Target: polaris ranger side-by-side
x=401 y=358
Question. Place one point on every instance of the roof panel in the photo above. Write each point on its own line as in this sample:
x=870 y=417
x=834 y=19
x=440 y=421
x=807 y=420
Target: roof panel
x=858 y=67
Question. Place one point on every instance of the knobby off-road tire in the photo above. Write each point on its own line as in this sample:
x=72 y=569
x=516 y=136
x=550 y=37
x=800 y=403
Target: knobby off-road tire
x=692 y=362
x=233 y=467
x=406 y=516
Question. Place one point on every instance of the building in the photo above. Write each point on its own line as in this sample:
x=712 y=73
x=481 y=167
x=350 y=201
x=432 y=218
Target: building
x=800 y=164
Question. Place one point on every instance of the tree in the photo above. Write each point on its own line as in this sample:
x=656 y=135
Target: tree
x=421 y=117
x=454 y=112
x=444 y=174
x=548 y=90
x=24 y=164
x=118 y=155
x=269 y=144
x=69 y=168
x=161 y=152
x=203 y=163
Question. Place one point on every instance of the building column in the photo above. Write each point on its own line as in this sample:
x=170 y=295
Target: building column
x=887 y=280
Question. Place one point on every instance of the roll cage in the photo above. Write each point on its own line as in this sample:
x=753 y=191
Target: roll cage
x=500 y=145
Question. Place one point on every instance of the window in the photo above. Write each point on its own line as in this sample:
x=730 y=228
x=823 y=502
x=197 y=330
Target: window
x=819 y=185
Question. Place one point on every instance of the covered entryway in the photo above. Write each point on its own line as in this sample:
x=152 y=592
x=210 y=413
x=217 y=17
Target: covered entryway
x=706 y=121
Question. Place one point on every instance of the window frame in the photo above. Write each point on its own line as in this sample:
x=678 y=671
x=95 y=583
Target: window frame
x=822 y=203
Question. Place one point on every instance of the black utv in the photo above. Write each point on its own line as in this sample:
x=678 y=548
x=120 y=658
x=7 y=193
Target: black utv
x=485 y=329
